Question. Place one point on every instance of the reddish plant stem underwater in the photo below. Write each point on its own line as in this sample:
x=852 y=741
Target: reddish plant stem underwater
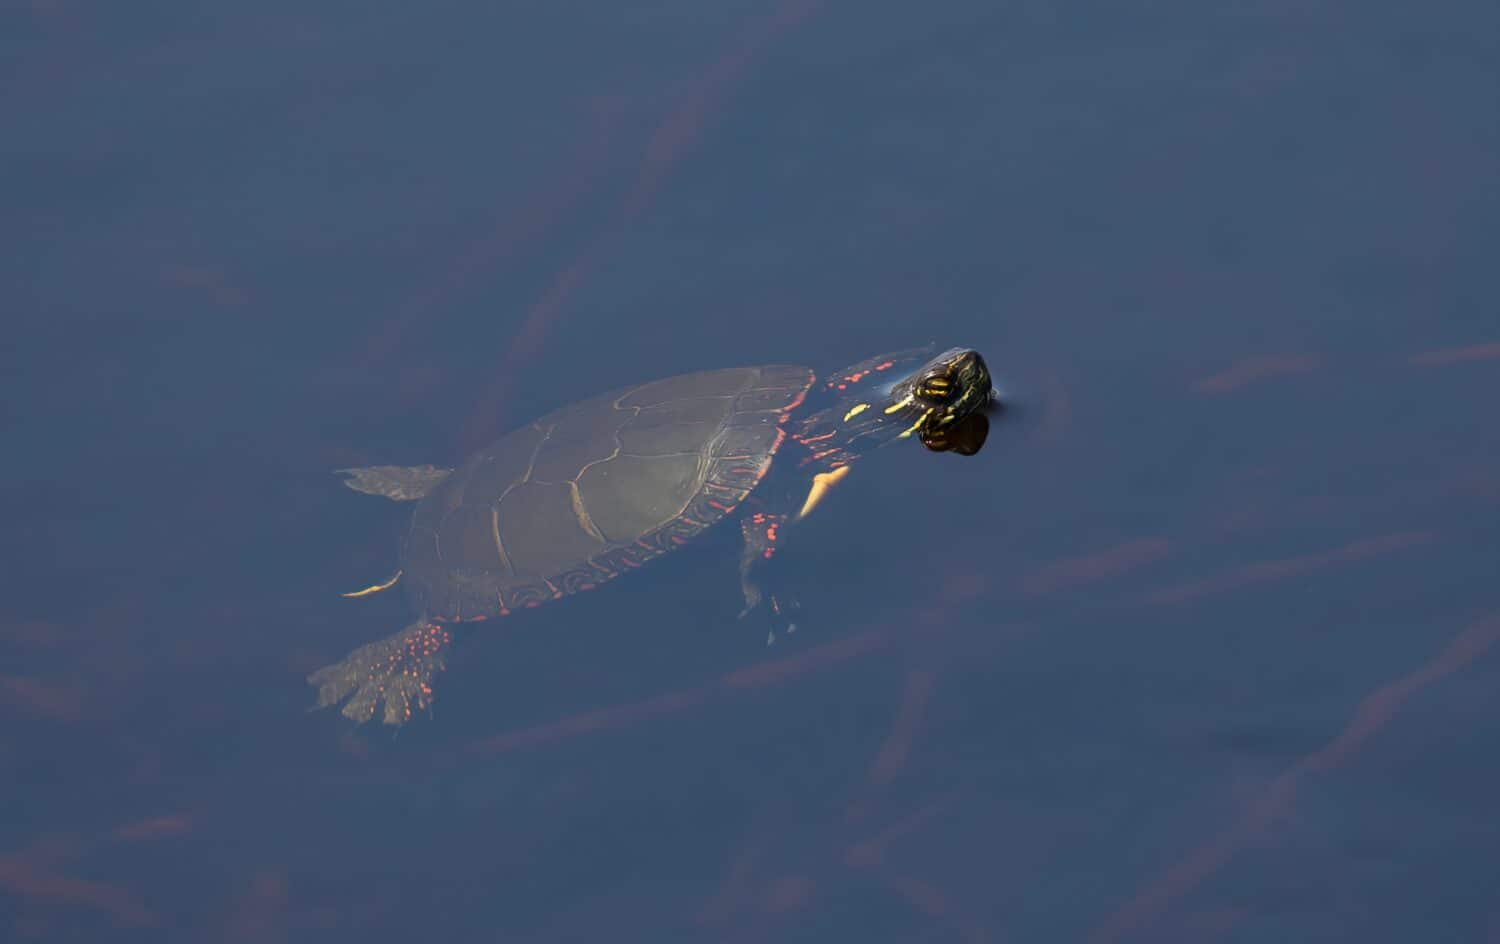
x=1374 y=712
x=674 y=136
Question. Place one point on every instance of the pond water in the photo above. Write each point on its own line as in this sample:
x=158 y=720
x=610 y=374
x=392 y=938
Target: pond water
x=1203 y=646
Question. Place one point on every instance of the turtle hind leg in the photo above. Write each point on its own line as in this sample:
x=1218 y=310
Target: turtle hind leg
x=397 y=671
x=396 y=482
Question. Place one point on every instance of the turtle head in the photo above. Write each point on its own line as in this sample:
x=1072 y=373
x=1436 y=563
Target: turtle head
x=944 y=390
x=905 y=395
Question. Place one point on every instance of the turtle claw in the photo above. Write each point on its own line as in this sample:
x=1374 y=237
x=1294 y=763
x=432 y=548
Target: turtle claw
x=782 y=612
x=785 y=613
x=752 y=600
x=397 y=671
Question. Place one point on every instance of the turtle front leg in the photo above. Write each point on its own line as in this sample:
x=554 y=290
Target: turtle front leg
x=762 y=532
x=397 y=670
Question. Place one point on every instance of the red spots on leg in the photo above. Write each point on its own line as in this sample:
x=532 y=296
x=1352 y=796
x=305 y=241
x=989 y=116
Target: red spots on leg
x=760 y=531
x=429 y=642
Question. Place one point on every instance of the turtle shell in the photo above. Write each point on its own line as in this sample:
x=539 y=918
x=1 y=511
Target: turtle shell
x=595 y=489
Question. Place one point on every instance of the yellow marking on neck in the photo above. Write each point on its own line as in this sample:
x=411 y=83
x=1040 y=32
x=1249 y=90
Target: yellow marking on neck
x=376 y=588
x=897 y=406
x=858 y=409
x=917 y=425
x=822 y=482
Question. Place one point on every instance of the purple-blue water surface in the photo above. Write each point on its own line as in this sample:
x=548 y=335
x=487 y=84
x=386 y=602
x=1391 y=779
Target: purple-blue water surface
x=1203 y=646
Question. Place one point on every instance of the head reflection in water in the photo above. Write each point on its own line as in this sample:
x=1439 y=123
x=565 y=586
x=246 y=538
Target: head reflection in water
x=966 y=437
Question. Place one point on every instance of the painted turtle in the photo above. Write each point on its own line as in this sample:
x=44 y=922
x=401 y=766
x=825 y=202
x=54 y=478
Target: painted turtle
x=599 y=488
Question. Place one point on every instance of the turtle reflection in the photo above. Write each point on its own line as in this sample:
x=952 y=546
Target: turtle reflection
x=965 y=437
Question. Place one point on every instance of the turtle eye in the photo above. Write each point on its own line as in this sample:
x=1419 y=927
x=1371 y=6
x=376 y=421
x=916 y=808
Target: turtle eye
x=938 y=388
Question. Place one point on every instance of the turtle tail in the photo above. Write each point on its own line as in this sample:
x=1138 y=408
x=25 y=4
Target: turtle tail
x=397 y=671
x=396 y=482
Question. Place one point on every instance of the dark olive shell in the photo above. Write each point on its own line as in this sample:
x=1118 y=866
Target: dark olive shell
x=594 y=489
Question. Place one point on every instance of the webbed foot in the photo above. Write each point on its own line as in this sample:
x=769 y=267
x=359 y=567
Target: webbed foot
x=761 y=531
x=780 y=610
x=397 y=671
